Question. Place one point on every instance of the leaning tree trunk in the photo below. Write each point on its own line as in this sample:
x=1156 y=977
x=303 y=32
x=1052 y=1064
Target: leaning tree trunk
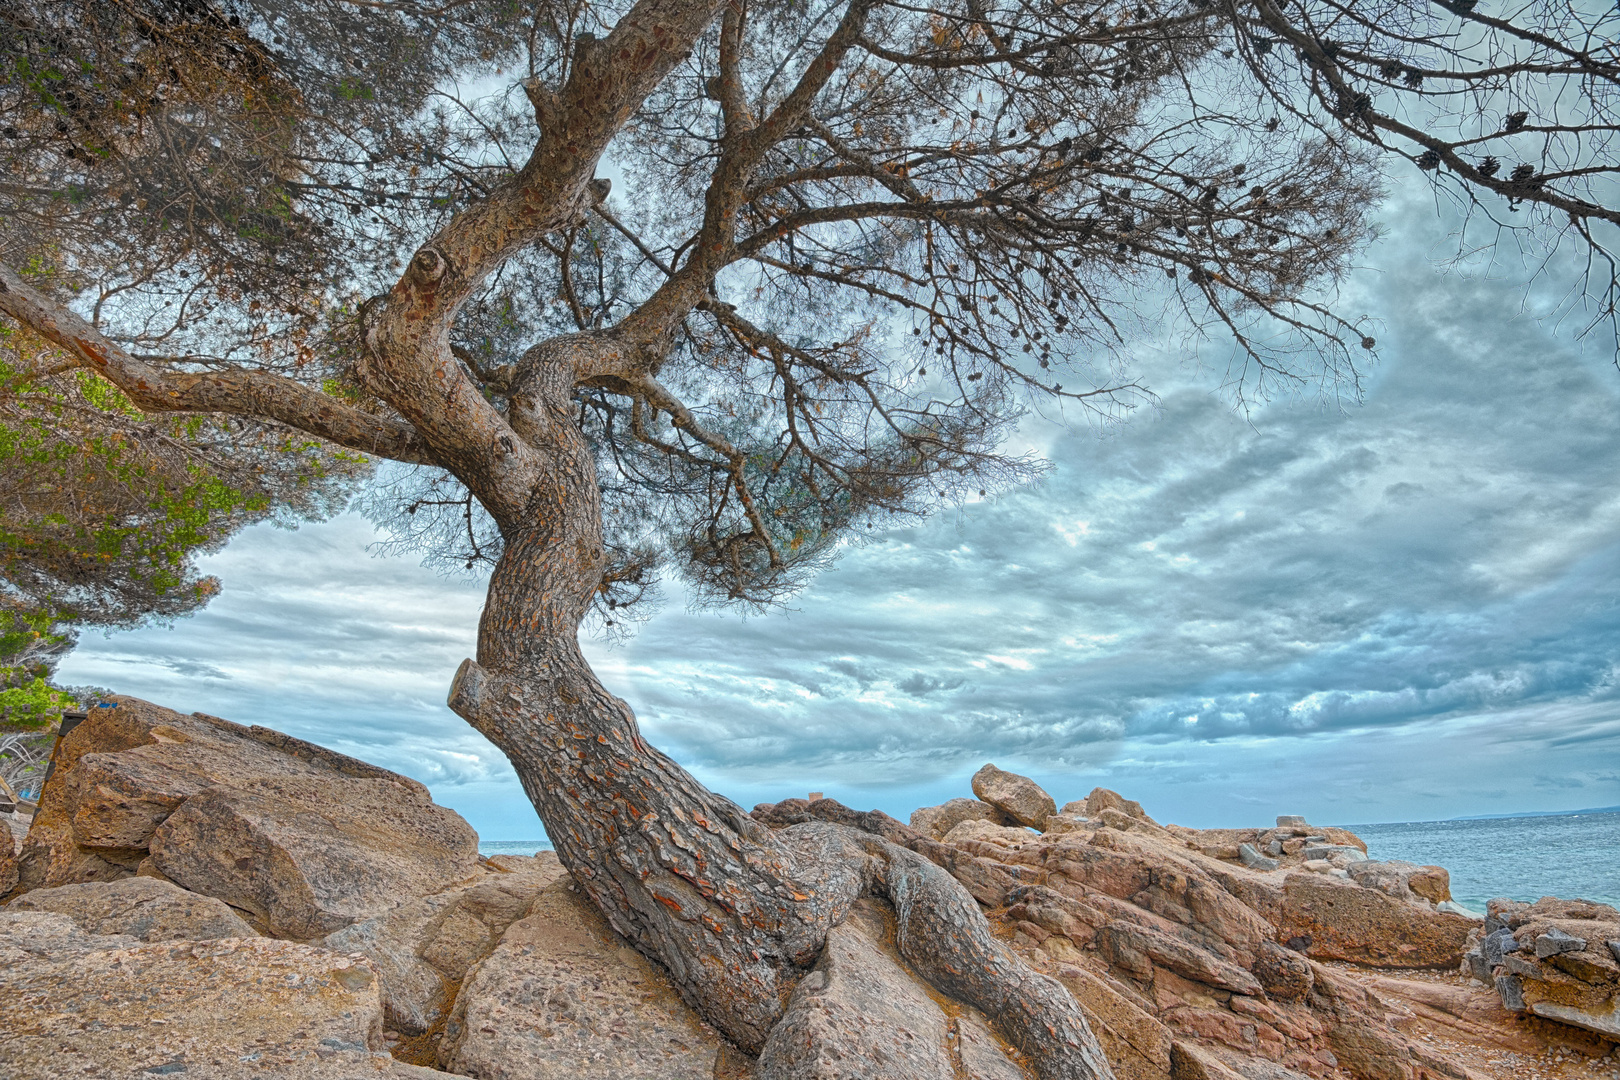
x=735 y=911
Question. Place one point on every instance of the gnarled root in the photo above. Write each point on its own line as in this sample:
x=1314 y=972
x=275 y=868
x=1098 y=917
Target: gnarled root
x=946 y=939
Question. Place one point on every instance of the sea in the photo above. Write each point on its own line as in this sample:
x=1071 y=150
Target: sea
x=1573 y=856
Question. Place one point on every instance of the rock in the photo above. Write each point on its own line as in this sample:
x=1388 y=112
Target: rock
x=1019 y=797
x=1554 y=941
x=1451 y=907
x=309 y=855
x=1614 y=949
x=1493 y=946
x=1189 y=1061
x=936 y=821
x=1254 y=860
x=421 y=949
x=1344 y=921
x=143 y=908
x=1370 y=1054
x=1283 y=973
x=302 y=838
x=78 y=1004
x=1137 y=1045
x=1102 y=799
x=1061 y=822
x=860 y=1016
x=8 y=863
x=976 y=831
x=563 y=997
x=1334 y=852
x=857 y=1016
x=1132 y=947
x=1291 y=821
x=1560 y=968
x=1431 y=883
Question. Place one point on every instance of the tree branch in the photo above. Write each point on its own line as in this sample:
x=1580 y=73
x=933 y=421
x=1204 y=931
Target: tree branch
x=241 y=393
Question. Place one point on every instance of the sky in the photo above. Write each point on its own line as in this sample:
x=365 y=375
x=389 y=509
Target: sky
x=1406 y=608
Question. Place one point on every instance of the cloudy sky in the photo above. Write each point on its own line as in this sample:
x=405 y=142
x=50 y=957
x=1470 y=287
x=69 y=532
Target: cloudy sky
x=1405 y=609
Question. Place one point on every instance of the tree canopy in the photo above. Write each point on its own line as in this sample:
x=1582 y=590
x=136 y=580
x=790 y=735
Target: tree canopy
x=853 y=241
x=834 y=250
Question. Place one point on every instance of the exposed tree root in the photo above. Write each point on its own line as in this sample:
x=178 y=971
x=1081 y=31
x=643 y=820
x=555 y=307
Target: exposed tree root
x=736 y=912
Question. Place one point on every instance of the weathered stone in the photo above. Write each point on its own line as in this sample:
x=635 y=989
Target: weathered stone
x=422 y=948
x=857 y=1016
x=1343 y=921
x=77 y=1004
x=1060 y=823
x=1019 y=797
x=1510 y=988
x=1189 y=1061
x=1370 y=1054
x=1137 y=1045
x=936 y=821
x=8 y=863
x=1283 y=973
x=1129 y=946
x=1254 y=860
x=1291 y=821
x=143 y=908
x=973 y=831
x=1554 y=941
x=563 y=997
x=1102 y=799
x=1431 y=883
x=1494 y=945
x=237 y=812
x=1333 y=852
x=310 y=855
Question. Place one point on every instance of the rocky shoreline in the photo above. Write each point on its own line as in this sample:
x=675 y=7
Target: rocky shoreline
x=199 y=898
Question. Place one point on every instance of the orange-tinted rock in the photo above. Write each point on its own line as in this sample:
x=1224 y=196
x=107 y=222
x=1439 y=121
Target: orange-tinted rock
x=1019 y=797
x=303 y=838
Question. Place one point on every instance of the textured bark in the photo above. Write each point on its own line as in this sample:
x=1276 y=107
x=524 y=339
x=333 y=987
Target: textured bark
x=734 y=910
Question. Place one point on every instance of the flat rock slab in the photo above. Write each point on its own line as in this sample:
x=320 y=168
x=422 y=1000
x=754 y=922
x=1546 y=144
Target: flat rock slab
x=77 y=1004
x=144 y=908
x=1339 y=920
x=563 y=997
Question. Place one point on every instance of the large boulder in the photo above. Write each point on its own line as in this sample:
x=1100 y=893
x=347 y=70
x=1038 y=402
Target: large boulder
x=421 y=950
x=309 y=855
x=563 y=997
x=78 y=1004
x=936 y=821
x=1019 y=797
x=302 y=839
x=144 y=908
x=1331 y=918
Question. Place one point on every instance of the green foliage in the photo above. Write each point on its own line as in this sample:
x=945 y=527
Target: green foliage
x=104 y=510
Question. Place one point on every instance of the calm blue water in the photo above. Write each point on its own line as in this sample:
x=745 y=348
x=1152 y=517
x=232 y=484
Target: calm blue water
x=512 y=847
x=1523 y=858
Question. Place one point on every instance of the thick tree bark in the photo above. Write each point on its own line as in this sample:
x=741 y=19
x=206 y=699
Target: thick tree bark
x=735 y=911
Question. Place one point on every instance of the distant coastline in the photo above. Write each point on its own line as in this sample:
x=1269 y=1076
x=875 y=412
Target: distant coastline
x=1540 y=813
